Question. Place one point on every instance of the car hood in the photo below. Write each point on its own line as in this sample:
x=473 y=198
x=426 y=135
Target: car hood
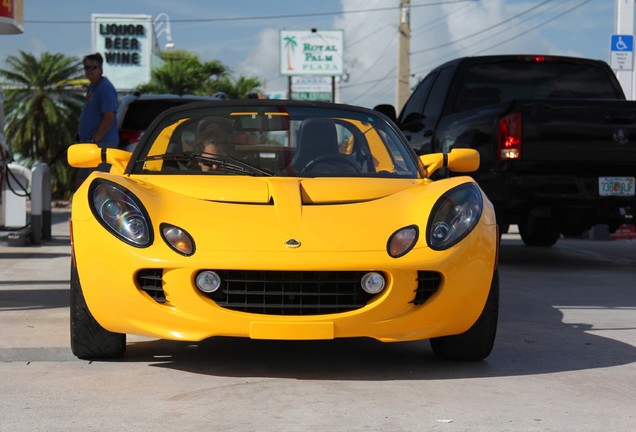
x=251 y=215
x=264 y=190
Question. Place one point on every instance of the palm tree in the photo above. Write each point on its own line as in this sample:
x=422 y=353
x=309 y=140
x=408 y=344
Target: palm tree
x=42 y=112
x=184 y=74
x=241 y=88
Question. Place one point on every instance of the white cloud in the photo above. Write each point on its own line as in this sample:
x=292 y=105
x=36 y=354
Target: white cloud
x=263 y=61
x=439 y=32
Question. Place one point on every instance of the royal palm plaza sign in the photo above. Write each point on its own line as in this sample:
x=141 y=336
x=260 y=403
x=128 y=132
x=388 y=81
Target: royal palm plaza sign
x=311 y=52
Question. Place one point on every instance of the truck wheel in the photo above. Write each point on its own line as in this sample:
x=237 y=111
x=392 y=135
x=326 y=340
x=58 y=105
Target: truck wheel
x=477 y=342
x=538 y=232
x=89 y=340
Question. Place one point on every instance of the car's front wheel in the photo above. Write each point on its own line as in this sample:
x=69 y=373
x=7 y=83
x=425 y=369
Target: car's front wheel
x=477 y=342
x=89 y=340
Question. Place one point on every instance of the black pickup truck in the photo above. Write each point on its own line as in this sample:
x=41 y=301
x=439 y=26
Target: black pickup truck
x=557 y=138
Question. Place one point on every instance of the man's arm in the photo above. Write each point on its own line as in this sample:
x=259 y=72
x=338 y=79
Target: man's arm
x=104 y=125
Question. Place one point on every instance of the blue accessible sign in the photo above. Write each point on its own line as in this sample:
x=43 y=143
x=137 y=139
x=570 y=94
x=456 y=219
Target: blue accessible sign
x=622 y=52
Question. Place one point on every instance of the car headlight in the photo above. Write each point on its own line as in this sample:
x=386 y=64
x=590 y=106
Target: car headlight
x=120 y=212
x=454 y=216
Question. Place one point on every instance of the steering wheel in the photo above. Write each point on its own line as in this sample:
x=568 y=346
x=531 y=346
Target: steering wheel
x=334 y=164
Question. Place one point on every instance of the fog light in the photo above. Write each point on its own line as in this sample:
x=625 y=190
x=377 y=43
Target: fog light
x=208 y=281
x=372 y=282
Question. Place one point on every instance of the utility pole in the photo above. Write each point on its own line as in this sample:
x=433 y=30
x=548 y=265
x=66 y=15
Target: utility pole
x=624 y=24
x=403 y=60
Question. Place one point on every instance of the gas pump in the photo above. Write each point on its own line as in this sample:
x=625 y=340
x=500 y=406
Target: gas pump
x=4 y=158
x=14 y=183
x=3 y=166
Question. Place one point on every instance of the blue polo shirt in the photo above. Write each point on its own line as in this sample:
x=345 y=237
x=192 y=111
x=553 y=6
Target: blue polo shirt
x=100 y=98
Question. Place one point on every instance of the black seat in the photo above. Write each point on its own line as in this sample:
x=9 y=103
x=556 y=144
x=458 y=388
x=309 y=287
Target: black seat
x=316 y=137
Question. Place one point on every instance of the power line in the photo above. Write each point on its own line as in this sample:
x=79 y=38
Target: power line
x=387 y=76
x=518 y=35
x=264 y=17
x=482 y=30
x=540 y=24
x=437 y=22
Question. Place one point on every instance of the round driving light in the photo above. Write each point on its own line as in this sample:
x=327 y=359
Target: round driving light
x=208 y=281
x=372 y=282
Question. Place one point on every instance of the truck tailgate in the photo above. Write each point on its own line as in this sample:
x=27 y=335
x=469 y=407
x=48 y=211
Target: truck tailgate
x=584 y=133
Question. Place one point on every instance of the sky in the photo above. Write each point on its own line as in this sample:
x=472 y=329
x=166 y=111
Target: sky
x=244 y=34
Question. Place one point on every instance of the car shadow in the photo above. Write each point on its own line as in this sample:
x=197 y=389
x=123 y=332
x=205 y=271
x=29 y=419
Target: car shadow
x=533 y=338
x=33 y=299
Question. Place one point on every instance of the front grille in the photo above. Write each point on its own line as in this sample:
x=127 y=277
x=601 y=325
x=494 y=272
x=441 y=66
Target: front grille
x=290 y=292
x=149 y=281
x=428 y=283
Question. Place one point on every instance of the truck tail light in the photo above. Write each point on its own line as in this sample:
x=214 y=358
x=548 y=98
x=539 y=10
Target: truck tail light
x=128 y=137
x=509 y=137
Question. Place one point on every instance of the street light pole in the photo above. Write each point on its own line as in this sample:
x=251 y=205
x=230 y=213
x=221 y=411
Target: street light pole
x=162 y=27
x=403 y=60
x=624 y=24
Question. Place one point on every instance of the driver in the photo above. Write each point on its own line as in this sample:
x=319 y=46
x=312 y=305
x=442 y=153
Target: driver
x=215 y=139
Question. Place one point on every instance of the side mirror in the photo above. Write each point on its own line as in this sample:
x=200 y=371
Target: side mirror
x=463 y=160
x=458 y=160
x=388 y=110
x=91 y=155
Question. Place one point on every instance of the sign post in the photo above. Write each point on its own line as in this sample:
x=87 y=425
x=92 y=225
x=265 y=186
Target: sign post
x=623 y=25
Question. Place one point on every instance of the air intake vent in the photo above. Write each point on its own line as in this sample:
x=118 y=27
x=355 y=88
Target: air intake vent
x=149 y=281
x=427 y=284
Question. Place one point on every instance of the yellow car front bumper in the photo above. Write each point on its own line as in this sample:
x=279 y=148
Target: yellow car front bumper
x=108 y=275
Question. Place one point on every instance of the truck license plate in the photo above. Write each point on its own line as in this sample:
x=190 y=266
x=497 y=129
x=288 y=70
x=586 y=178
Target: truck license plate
x=616 y=186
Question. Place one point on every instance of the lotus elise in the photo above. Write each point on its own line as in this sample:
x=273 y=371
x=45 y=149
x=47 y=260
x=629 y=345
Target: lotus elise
x=283 y=220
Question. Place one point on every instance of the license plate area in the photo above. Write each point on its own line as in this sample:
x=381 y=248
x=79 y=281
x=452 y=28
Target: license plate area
x=616 y=186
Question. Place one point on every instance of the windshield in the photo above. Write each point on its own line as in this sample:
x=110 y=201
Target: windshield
x=274 y=140
x=488 y=83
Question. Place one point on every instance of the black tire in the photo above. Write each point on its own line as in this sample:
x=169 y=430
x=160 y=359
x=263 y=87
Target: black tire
x=538 y=232
x=477 y=342
x=89 y=340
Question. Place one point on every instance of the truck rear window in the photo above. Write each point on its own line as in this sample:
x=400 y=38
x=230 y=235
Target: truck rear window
x=489 y=83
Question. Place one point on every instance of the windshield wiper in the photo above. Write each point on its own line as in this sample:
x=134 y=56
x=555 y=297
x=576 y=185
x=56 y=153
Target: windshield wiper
x=226 y=162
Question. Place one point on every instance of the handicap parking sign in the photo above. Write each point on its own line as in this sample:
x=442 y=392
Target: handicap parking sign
x=622 y=52
x=622 y=42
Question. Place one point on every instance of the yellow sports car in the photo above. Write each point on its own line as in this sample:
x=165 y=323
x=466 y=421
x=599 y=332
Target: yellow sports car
x=281 y=220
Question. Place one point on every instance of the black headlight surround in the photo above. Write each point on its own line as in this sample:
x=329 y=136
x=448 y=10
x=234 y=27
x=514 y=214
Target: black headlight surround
x=446 y=197
x=129 y=195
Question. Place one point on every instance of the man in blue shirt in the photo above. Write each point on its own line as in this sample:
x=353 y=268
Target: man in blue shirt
x=98 y=123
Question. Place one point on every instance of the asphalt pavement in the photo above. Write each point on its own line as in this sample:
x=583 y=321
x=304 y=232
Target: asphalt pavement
x=564 y=360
